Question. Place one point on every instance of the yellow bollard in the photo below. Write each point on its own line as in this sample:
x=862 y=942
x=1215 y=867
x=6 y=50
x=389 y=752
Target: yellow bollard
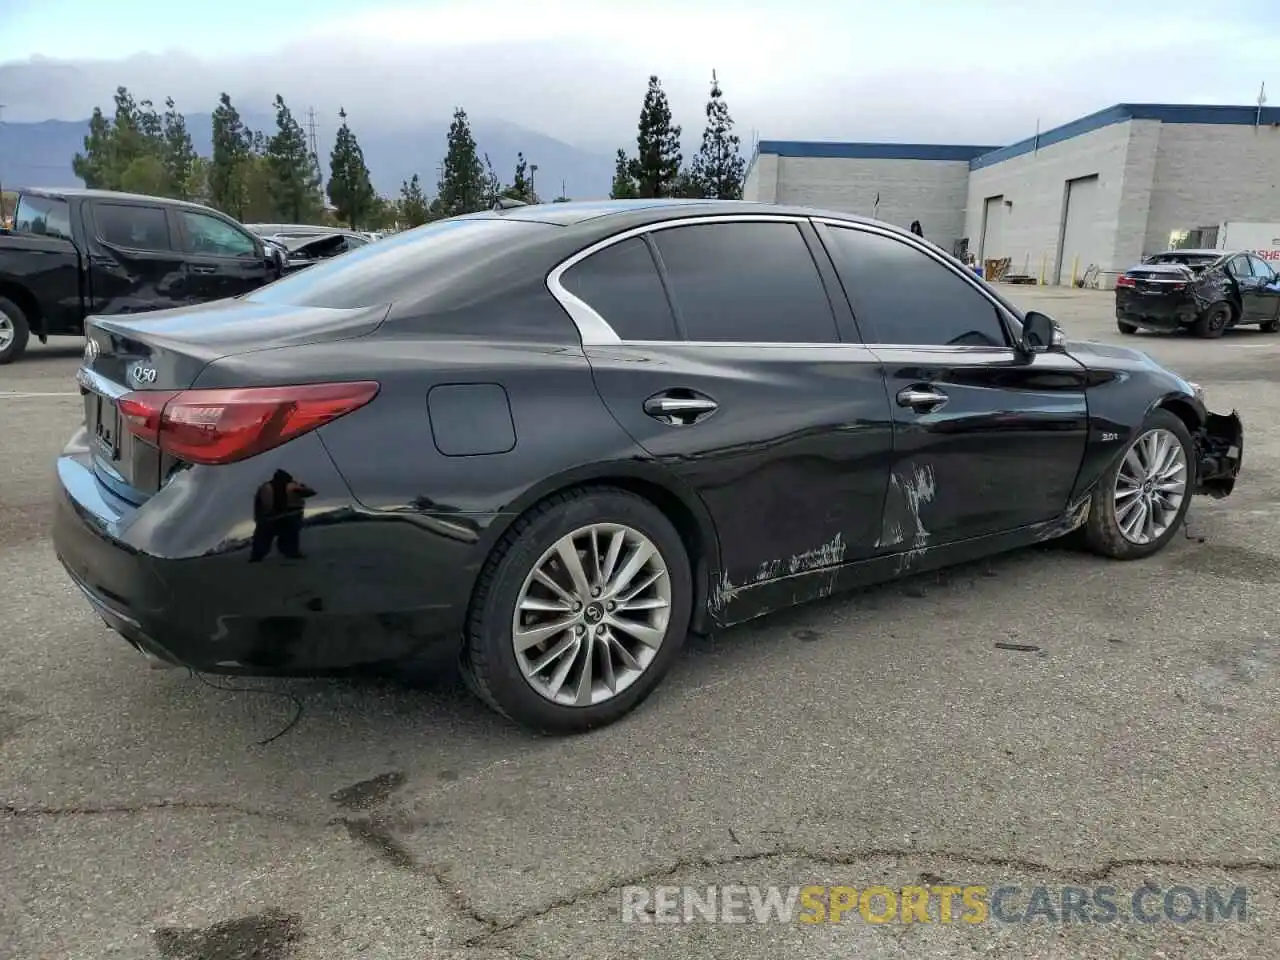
x=1075 y=268
x=1043 y=264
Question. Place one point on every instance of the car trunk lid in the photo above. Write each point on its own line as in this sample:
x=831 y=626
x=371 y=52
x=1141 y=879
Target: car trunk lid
x=165 y=351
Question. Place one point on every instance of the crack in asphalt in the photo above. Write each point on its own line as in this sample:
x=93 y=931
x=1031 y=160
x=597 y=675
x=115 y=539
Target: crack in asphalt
x=375 y=833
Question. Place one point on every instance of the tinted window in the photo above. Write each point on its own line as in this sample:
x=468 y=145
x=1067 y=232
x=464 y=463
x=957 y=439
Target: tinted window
x=406 y=265
x=215 y=238
x=45 y=216
x=1260 y=269
x=902 y=295
x=134 y=228
x=621 y=284
x=1238 y=267
x=749 y=282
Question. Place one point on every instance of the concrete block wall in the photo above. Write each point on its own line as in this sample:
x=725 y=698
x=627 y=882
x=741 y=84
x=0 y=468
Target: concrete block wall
x=1036 y=183
x=761 y=185
x=931 y=191
x=1206 y=174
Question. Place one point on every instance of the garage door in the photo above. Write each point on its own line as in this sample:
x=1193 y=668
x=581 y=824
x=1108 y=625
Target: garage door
x=993 y=229
x=1080 y=244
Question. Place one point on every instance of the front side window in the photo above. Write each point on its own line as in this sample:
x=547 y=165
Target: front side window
x=43 y=216
x=212 y=237
x=132 y=227
x=621 y=283
x=750 y=282
x=901 y=295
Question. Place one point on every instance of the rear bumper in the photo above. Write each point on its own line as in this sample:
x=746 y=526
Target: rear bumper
x=364 y=592
x=1155 y=315
x=1219 y=454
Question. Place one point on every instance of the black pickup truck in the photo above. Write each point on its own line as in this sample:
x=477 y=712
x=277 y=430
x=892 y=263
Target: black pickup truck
x=75 y=253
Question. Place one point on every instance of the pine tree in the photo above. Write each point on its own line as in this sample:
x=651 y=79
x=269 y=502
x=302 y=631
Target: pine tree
x=521 y=186
x=656 y=168
x=719 y=168
x=179 y=154
x=350 y=189
x=295 y=180
x=463 y=182
x=414 y=209
x=228 y=167
x=492 y=185
x=624 y=186
x=94 y=165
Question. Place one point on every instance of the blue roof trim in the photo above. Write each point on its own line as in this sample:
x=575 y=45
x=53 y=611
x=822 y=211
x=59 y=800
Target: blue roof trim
x=1123 y=113
x=871 y=151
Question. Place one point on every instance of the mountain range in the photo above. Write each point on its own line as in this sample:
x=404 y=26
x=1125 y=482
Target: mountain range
x=39 y=154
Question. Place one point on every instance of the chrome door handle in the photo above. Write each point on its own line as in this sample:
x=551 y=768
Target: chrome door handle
x=921 y=399
x=680 y=411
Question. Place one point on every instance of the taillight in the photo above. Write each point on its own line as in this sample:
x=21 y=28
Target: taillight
x=223 y=426
x=1126 y=282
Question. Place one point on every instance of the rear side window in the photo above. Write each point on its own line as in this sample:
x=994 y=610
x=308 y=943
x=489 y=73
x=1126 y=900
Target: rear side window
x=621 y=284
x=212 y=237
x=132 y=227
x=1261 y=270
x=901 y=295
x=409 y=264
x=1238 y=267
x=43 y=216
x=750 y=282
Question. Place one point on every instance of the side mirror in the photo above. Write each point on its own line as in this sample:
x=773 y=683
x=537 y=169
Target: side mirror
x=1040 y=332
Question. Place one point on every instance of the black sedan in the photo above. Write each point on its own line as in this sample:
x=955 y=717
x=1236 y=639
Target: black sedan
x=556 y=439
x=1205 y=291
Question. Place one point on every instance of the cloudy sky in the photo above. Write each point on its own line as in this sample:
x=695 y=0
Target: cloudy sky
x=922 y=70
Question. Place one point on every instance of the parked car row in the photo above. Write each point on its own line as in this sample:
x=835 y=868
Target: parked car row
x=551 y=441
x=74 y=253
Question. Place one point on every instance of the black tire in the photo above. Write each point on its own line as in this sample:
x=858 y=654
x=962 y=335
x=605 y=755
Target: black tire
x=1102 y=531
x=21 y=331
x=1125 y=328
x=489 y=661
x=1213 y=322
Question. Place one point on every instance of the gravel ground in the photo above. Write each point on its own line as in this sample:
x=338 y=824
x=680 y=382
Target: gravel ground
x=1045 y=719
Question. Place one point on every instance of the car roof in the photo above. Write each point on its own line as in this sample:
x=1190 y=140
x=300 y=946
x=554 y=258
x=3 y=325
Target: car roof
x=619 y=215
x=62 y=193
x=1193 y=253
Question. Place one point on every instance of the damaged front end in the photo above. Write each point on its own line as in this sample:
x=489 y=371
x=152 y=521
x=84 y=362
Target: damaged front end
x=1219 y=451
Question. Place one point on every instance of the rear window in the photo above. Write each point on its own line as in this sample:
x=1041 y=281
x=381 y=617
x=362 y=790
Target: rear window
x=399 y=266
x=1186 y=261
x=43 y=216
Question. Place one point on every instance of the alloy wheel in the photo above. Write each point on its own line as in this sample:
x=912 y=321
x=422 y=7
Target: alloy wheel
x=592 y=615
x=1150 y=486
x=7 y=332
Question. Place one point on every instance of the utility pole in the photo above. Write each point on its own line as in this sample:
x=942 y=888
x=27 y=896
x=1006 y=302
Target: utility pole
x=311 y=131
x=533 y=168
x=1262 y=99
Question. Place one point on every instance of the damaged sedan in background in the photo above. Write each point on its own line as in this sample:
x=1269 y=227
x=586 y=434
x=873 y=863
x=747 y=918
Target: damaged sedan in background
x=549 y=442
x=1205 y=291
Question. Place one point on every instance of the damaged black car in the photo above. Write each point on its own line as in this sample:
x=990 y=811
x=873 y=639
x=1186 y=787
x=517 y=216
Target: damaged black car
x=1206 y=292
x=549 y=442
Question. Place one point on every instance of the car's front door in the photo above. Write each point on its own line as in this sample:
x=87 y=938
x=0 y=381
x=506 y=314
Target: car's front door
x=1262 y=303
x=987 y=439
x=729 y=369
x=222 y=259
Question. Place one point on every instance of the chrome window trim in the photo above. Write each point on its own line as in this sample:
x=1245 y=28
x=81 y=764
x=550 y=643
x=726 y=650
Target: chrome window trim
x=595 y=330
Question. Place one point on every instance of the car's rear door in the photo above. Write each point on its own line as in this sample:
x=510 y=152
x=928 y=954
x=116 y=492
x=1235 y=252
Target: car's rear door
x=986 y=438
x=728 y=367
x=222 y=260
x=134 y=261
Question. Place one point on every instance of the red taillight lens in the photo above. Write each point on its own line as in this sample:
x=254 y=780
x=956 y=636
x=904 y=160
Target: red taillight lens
x=1125 y=282
x=223 y=426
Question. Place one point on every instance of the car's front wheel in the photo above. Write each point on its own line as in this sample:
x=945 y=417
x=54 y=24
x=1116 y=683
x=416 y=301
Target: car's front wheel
x=580 y=611
x=1141 y=500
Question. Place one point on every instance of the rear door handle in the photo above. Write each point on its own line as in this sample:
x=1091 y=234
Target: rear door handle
x=680 y=408
x=921 y=399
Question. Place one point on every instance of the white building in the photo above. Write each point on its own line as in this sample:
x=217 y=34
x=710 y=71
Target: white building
x=1102 y=191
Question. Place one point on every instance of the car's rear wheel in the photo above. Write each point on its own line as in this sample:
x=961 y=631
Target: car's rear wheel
x=580 y=611
x=1142 y=499
x=1125 y=328
x=14 y=331
x=1214 y=321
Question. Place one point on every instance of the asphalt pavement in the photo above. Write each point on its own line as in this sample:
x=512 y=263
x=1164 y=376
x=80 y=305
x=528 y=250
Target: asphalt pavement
x=1042 y=720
